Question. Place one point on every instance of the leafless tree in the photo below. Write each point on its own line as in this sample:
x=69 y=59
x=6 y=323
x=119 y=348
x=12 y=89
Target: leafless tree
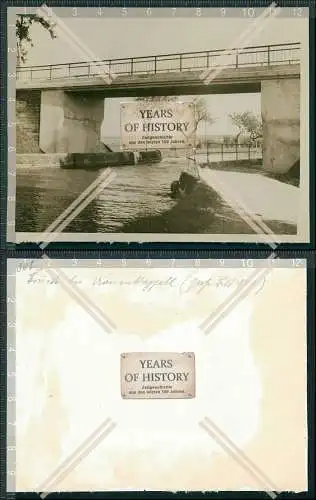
x=247 y=123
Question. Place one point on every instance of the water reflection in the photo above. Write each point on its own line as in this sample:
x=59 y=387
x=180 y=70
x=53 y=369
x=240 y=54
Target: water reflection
x=44 y=193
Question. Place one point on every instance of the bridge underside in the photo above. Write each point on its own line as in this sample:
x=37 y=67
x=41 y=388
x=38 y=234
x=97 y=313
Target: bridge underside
x=168 y=90
x=67 y=115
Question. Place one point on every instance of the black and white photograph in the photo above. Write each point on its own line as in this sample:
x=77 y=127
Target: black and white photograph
x=188 y=125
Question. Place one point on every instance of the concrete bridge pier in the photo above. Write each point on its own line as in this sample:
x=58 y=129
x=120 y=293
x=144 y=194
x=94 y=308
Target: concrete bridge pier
x=70 y=123
x=280 y=107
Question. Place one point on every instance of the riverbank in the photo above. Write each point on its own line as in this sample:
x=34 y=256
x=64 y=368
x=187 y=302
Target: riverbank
x=137 y=201
x=203 y=211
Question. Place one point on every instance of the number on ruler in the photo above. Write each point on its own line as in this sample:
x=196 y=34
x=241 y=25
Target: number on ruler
x=247 y=262
x=297 y=11
x=296 y=262
x=250 y=12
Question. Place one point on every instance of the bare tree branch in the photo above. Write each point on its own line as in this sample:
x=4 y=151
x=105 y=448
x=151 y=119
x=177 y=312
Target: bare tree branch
x=247 y=123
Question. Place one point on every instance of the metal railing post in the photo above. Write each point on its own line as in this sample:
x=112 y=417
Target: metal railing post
x=155 y=64
x=207 y=59
x=50 y=71
x=268 y=55
x=236 y=151
x=180 y=62
x=222 y=151
x=236 y=59
x=249 y=146
x=132 y=65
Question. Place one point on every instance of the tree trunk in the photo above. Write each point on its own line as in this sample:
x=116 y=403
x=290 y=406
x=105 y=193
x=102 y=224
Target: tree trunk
x=237 y=137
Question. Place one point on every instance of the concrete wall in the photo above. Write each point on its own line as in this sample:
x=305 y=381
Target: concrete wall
x=28 y=105
x=280 y=107
x=70 y=123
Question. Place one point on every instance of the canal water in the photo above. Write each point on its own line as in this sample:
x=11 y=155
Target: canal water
x=136 y=201
x=43 y=193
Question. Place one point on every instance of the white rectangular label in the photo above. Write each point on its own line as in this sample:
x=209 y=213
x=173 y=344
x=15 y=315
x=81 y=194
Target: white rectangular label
x=157 y=125
x=158 y=375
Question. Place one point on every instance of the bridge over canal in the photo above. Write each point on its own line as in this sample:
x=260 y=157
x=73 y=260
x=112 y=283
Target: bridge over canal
x=60 y=108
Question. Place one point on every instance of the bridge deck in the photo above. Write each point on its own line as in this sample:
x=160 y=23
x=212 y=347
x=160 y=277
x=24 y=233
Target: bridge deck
x=227 y=80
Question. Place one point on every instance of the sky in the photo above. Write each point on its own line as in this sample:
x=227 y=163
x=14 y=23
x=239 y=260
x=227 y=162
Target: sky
x=123 y=37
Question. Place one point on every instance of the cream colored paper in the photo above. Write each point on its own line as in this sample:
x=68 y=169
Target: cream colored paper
x=250 y=379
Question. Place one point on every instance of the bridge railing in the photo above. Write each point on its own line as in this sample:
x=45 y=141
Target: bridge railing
x=268 y=55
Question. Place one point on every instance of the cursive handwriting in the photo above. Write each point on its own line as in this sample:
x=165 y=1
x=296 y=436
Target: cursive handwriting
x=189 y=284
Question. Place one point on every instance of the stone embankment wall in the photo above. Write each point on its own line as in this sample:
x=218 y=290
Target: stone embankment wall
x=28 y=108
x=86 y=160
